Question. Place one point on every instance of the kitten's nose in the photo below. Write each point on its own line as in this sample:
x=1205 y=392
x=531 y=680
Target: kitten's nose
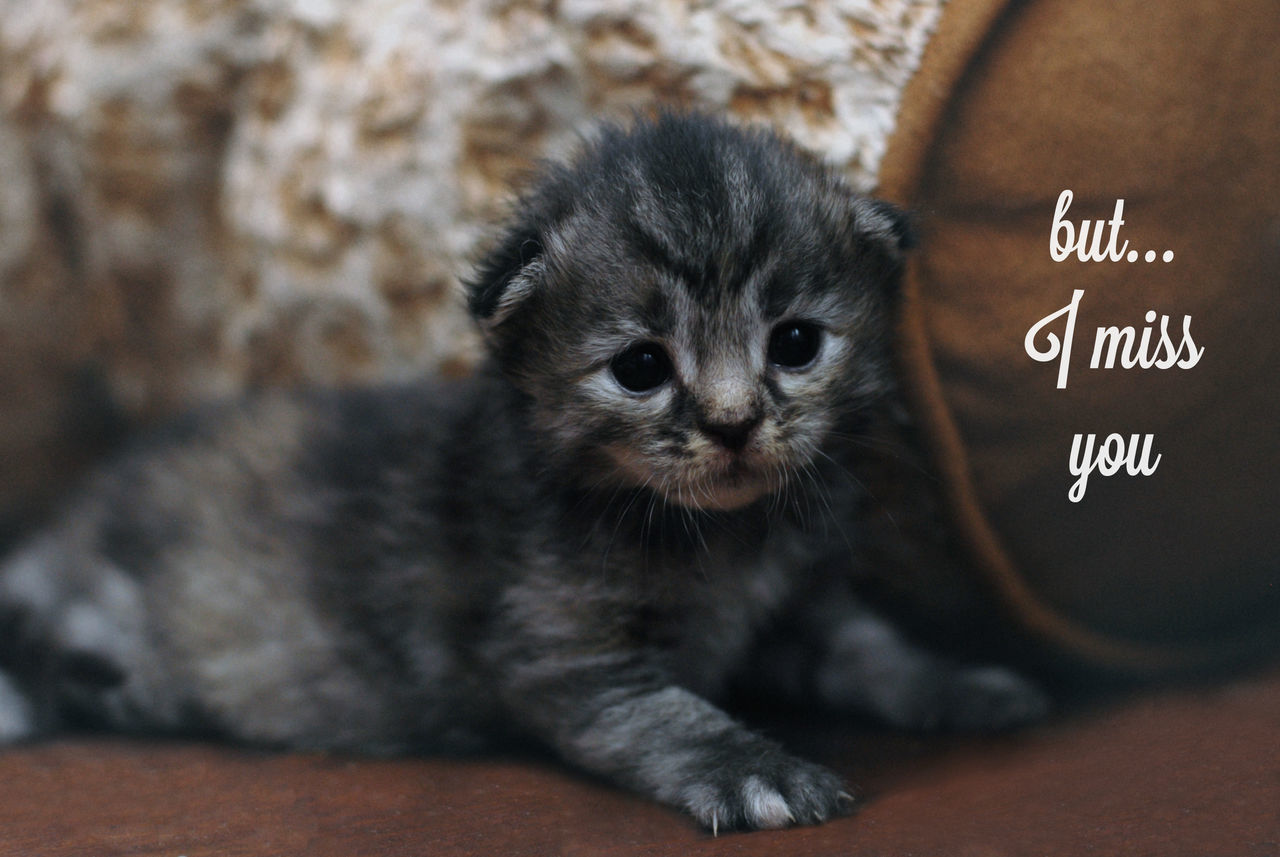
x=734 y=435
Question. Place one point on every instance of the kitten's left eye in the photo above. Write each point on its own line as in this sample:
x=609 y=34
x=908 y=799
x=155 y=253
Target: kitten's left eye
x=642 y=367
x=794 y=344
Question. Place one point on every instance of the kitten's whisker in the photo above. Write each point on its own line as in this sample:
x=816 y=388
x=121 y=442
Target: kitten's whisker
x=823 y=490
x=622 y=515
x=863 y=488
x=898 y=451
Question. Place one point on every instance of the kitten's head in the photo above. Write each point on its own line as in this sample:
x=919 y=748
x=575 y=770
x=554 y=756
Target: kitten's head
x=691 y=307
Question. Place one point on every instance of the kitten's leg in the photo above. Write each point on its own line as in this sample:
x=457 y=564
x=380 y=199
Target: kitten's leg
x=17 y=717
x=183 y=647
x=568 y=673
x=679 y=748
x=72 y=643
x=864 y=663
x=17 y=712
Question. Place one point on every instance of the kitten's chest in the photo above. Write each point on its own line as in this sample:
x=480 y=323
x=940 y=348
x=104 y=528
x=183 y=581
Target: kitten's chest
x=705 y=621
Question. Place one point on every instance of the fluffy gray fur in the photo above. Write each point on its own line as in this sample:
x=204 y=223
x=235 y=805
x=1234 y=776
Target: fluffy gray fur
x=580 y=544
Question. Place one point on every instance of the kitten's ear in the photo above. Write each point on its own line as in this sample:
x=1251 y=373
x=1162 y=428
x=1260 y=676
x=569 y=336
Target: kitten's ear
x=884 y=223
x=505 y=277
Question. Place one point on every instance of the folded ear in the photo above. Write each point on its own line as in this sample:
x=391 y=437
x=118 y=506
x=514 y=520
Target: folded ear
x=506 y=276
x=884 y=223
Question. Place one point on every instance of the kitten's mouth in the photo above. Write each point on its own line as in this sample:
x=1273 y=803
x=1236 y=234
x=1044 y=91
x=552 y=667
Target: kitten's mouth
x=721 y=484
x=728 y=495
x=731 y=483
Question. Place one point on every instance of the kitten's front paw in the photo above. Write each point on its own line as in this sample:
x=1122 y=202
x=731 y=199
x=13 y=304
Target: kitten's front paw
x=907 y=687
x=991 y=699
x=764 y=788
x=948 y=698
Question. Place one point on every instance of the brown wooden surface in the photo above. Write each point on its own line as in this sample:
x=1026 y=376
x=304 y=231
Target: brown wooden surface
x=1188 y=771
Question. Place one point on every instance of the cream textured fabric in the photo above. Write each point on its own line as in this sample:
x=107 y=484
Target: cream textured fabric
x=201 y=196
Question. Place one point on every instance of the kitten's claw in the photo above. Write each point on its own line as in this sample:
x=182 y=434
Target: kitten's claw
x=764 y=793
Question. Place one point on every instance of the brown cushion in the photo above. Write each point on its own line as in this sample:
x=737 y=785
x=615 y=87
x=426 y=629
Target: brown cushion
x=1178 y=773
x=1173 y=108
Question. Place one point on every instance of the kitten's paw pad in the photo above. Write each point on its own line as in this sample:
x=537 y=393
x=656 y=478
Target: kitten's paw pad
x=765 y=793
x=992 y=699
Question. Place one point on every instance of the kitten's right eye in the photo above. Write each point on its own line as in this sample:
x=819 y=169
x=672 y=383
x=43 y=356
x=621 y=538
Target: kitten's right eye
x=642 y=367
x=793 y=345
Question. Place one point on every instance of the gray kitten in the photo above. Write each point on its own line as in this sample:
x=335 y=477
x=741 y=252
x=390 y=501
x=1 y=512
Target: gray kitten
x=580 y=544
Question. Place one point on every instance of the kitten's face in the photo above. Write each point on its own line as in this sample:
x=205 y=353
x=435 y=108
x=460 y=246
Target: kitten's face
x=692 y=308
